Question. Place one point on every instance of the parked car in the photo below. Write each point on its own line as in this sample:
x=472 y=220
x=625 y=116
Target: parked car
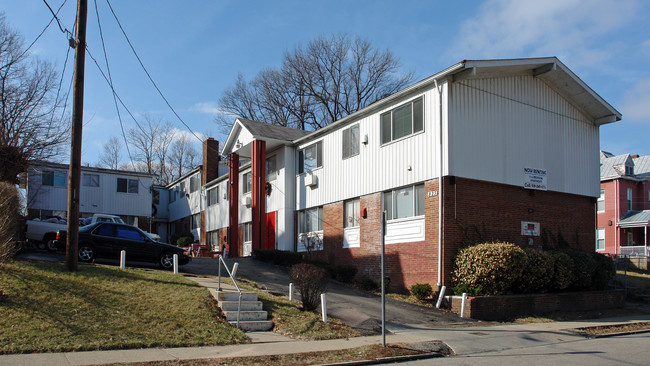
x=107 y=239
x=44 y=231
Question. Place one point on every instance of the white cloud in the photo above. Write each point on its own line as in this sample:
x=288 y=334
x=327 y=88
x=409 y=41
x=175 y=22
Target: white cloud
x=636 y=103
x=522 y=28
x=207 y=108
x=197 y=137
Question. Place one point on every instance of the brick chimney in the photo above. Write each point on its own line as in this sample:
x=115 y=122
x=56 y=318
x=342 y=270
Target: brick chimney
x=210 y=160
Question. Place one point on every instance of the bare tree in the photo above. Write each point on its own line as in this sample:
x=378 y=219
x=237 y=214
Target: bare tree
x=111 y=154
x=316 y=85
x=151 y=140
x=182 y=157
x=30 y=108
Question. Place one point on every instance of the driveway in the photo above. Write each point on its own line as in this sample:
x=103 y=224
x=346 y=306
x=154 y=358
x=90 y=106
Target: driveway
x=359 y=309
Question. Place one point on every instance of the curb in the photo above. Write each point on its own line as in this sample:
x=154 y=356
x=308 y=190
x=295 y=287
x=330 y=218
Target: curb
x=384 y=360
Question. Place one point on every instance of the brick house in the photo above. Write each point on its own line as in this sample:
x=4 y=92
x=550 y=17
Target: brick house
x=623 y=208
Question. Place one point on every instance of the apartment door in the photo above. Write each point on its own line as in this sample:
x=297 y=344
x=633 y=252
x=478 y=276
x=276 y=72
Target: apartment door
x=270 y=230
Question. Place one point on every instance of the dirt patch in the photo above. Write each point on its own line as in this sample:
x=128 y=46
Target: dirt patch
x=614 y=329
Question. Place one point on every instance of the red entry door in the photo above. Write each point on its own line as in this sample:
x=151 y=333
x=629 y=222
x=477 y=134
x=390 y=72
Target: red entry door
x=270 y=230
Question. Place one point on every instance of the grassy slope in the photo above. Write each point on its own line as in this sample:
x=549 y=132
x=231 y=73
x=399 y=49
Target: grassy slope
x=47 y=309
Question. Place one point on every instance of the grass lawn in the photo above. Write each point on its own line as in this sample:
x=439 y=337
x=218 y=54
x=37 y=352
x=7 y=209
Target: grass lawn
x=639 y=281
x=289 y=320
x=45 y=308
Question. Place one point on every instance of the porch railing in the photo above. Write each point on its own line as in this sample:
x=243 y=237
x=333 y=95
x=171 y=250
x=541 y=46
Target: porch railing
x=634 y=251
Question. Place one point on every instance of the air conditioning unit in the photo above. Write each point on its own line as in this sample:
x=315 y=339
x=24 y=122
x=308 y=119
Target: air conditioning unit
x=311 y=180
x=247 y=201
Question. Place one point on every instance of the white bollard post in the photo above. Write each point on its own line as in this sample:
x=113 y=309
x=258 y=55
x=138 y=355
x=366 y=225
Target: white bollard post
x=123 y=259
x=234 y=269
x=175 y=263
x=462 y=305
x=291 y=292
x=323 y=303
x=442 y=295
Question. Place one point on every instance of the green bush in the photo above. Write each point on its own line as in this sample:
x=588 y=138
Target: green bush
x=463 y=288
x=345 y=272
x=421 y=291
x=604 y=271
x=584 y=266
x=493 y=267
x=562 y=276
x=368 y=284
x=186 y=236
x=311 y=281
x=184 y=241
x=537 y=273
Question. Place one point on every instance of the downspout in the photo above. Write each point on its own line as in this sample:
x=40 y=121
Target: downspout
x=440 y=184
x=616 y=217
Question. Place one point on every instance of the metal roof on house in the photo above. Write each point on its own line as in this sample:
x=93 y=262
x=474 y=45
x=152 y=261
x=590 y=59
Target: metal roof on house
x=635 y=219
x=607 y=164
x=642 y=167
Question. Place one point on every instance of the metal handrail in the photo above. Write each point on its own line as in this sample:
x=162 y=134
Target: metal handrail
x=221 y=261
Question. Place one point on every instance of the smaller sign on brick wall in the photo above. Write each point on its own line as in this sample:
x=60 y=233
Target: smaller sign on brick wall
x=529 y=228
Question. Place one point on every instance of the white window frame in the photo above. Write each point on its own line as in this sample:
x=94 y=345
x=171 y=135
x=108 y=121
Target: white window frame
x=271 y=168
x=388 y=117
x=600 y=203
x=302 y=222
x=130 y=185
x=350 y=145
x=247 y=182
x=318 y=146
x=416 y=203
x=600 y=239
x=629 y=199
x=351 y=219
x=213 y=192
x=247 y=232
x=88 y=181
x=195 y=183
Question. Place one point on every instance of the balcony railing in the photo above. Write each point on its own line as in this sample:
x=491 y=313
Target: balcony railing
x=634 y=251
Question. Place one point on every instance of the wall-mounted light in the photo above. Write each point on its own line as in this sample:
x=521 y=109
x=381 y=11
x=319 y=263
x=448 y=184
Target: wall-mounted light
x=365 y=139
x=238 y=145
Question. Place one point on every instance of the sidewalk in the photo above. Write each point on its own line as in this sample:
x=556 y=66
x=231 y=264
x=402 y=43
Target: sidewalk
x=463 y=340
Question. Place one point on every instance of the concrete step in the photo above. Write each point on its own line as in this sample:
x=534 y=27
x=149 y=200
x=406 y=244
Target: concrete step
x=234 y=296
x=245 y=305
x=253 y=326
x=246 y=315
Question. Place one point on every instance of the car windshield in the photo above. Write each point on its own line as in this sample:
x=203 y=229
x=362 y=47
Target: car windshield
x=83 y=229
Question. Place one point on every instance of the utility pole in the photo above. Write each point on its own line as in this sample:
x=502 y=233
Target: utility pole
x=74 y=174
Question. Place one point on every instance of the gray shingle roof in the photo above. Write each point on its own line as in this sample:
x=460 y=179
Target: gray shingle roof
x=261 y=129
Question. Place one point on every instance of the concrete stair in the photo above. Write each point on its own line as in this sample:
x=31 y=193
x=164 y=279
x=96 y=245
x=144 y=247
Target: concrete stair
x=252 y=317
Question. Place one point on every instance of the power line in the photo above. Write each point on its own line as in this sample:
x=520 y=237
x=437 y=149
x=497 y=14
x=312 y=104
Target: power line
x=63 y=30
x=147 y=72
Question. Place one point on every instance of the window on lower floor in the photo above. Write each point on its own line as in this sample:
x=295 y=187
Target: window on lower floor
x=248 y=232
x=600 y=204
x=195 y=222
x=212 y=238
x=351 y=212
x=630 y=238
x=310 y=220
x=404 y=202
x=600 y=238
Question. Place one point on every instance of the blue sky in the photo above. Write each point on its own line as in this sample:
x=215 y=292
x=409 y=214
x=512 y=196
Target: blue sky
x=195 y=49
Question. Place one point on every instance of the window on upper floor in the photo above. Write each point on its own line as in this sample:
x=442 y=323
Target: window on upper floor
x=600 y=238
x=310 y=220
x=351 y=141
x=213 y=196
x=352 y=212
x=247 y=182
x=182 y=188
x=155 y=197
x=629 y=199
x=195 y=183
x=271 y=168
x=172 y=195
x=629 y=170
x=90 y=180
x=600 y=204
x=53 y=178
x=404 y=202
x=195 y=221
x=402 y=121
x=310 y=157
x=127 y=185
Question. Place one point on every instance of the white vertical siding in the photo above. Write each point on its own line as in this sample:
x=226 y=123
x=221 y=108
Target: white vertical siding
x=498 y=126
x=376 y=168
x=187 y=203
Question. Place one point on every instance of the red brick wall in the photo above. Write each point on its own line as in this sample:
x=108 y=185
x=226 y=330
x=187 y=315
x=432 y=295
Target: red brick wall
x=508 y=307
x=406 y=263
x=477 y=211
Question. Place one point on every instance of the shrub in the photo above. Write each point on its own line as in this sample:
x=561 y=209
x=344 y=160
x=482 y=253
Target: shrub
x=562 y=276
x=537 y=273
x=492 y=267
x=311 y=281
x=604 y=271
x=584 y=266
x=345 y=272
x=421 y=291
x=462 y=288
x=186 y=236
x=368 y=284
x=9 y=214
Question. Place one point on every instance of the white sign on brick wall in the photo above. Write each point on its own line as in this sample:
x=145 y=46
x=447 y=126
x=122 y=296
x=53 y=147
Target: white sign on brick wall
x=535 y=178
x=529 y=228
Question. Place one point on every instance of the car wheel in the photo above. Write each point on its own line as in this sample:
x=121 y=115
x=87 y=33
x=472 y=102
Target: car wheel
x=166 y=261
x=51 y=246
x=86 y=253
